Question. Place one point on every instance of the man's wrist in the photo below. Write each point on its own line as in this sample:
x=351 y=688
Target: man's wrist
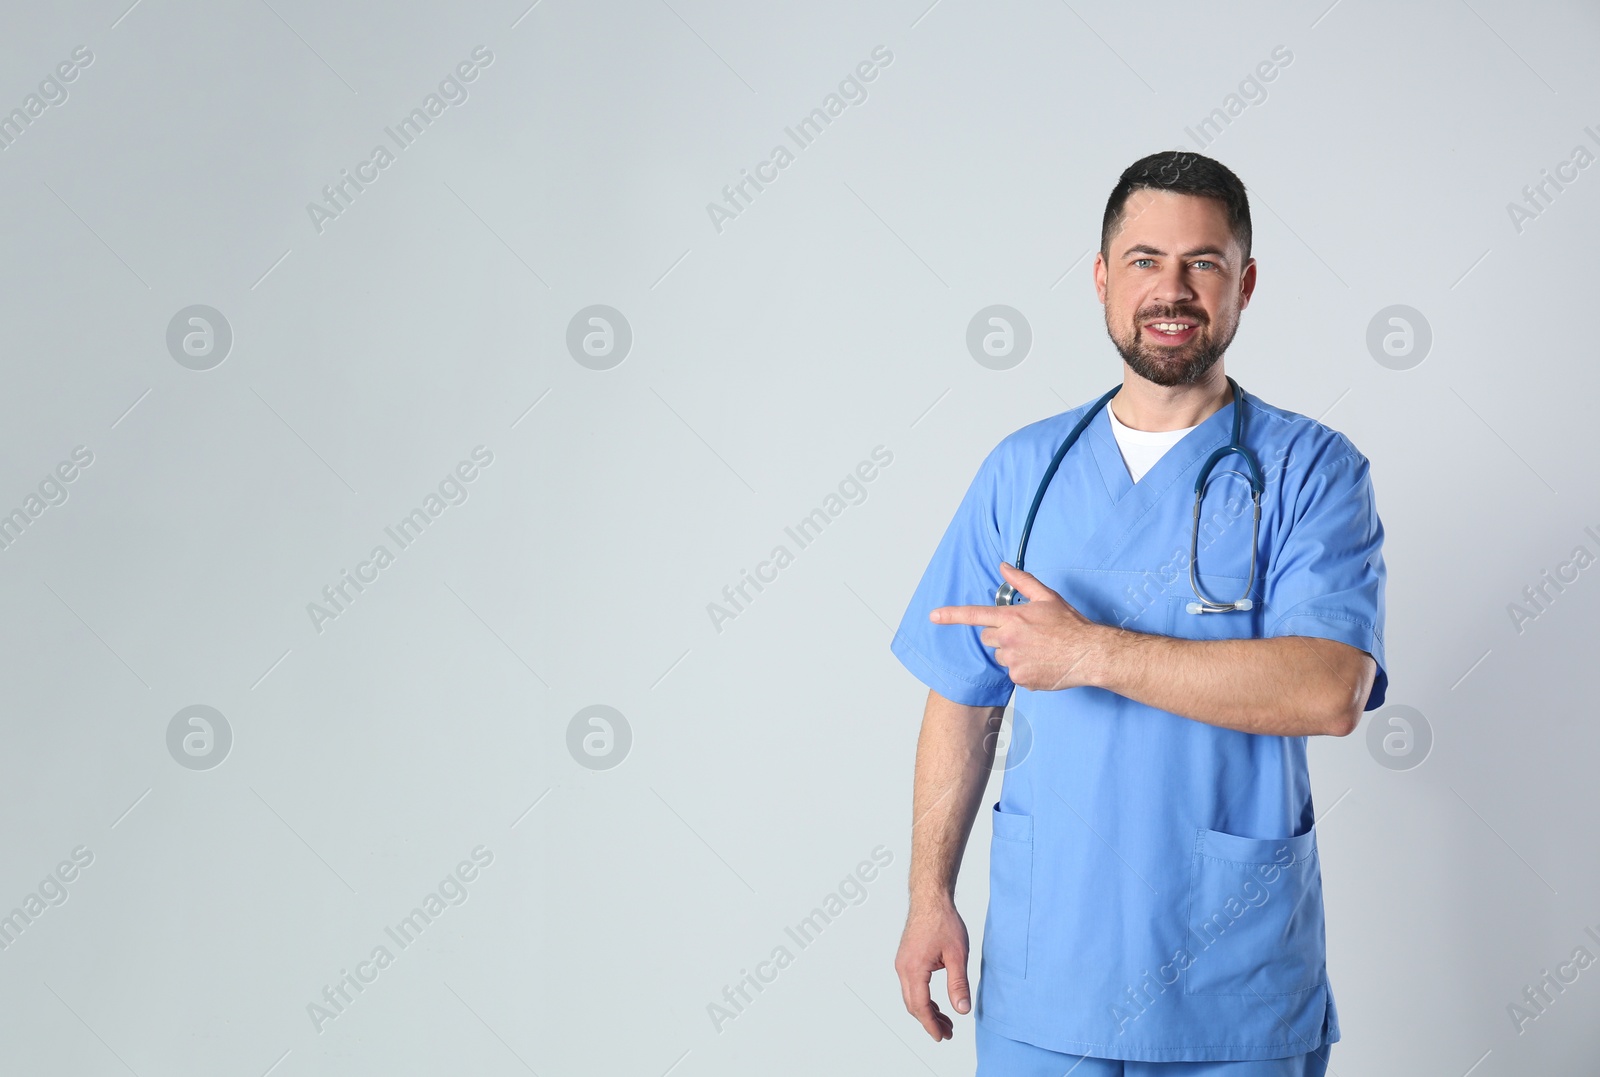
x=1106 y=652
x=931 y=897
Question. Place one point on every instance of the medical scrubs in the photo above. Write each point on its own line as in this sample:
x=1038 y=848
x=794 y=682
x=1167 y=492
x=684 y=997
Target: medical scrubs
x=1002 y=1057
x=1154 y=891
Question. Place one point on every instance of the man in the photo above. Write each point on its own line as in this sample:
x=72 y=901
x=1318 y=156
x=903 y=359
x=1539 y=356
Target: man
x=1155 y=902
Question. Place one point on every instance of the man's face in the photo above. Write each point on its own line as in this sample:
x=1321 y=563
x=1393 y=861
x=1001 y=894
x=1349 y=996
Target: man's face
x=1173 y=262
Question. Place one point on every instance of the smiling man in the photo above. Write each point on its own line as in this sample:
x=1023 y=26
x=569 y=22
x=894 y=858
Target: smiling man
x=1204 y=590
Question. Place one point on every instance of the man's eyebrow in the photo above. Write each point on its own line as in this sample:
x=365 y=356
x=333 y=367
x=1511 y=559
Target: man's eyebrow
x=1144 y=248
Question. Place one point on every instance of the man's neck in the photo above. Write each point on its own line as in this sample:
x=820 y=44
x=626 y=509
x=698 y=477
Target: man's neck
x=1144 y=405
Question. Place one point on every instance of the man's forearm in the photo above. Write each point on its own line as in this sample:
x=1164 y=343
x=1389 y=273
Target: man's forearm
x=1285 y=686
x=955 y=752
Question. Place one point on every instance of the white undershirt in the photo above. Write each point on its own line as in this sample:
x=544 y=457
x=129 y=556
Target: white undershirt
x=1142 y=448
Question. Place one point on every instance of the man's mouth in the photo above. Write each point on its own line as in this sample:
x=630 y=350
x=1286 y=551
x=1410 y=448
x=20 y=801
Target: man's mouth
x=1175 y=331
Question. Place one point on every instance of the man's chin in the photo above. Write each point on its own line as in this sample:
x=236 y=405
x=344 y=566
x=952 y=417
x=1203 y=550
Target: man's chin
x=1168 y=369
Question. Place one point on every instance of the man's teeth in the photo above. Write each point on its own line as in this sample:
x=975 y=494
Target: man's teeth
x=1170 y=327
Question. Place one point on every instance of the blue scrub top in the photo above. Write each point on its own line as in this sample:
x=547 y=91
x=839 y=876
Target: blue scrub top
x=1154 y=888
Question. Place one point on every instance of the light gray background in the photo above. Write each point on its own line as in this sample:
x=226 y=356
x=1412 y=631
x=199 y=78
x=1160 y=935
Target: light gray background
x=769 y=758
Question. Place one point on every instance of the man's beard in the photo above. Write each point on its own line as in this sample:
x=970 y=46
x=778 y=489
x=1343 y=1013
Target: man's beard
x=1167 y=365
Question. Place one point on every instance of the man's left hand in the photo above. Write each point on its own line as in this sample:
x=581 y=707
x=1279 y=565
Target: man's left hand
x=1044 y=643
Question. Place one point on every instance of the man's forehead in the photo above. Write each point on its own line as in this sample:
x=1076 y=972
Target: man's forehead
x=1171 y=220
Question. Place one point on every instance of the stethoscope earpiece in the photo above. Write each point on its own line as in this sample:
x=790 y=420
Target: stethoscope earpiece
x=1223 y=607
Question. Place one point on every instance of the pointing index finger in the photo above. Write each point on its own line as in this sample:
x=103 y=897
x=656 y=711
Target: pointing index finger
x=989 y=616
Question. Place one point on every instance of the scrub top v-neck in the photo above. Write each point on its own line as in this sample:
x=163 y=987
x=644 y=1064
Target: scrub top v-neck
x=1142 y=448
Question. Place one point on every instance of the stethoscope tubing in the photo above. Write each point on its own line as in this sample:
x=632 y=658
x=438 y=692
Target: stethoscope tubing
x=1006 y=594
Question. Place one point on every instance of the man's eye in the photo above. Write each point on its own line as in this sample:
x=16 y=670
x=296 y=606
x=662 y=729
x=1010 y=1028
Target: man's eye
x=1205 y=263
x=1136 y=261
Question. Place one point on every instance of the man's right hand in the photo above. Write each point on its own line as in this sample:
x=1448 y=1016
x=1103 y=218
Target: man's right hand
x=935 y=938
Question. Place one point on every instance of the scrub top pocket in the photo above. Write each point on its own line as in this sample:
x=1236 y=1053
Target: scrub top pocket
x=1005 y=927
x=1255 y=915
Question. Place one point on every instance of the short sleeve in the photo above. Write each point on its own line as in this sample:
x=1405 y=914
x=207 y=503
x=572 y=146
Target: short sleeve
x=1327 y=578
x=964 y=571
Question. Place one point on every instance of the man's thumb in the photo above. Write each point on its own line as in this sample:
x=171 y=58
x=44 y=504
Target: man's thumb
x=1028 y=585
x=956 y=982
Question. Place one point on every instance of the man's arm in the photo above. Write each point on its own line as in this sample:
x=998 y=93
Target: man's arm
x=955 y=754
x=1288 y=686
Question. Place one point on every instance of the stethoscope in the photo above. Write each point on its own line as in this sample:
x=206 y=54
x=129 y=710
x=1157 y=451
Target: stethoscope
x=1006 y=595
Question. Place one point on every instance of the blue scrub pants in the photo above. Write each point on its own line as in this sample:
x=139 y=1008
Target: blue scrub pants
x=1002 y=1057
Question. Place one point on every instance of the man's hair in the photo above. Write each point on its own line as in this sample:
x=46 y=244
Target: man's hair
x=1185 y=173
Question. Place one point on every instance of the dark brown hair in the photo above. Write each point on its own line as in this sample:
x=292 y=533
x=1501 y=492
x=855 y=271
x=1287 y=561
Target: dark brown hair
x=1185 y=173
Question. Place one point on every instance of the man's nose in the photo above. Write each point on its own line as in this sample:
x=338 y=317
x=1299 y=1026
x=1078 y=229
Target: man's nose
x=1173 y=285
